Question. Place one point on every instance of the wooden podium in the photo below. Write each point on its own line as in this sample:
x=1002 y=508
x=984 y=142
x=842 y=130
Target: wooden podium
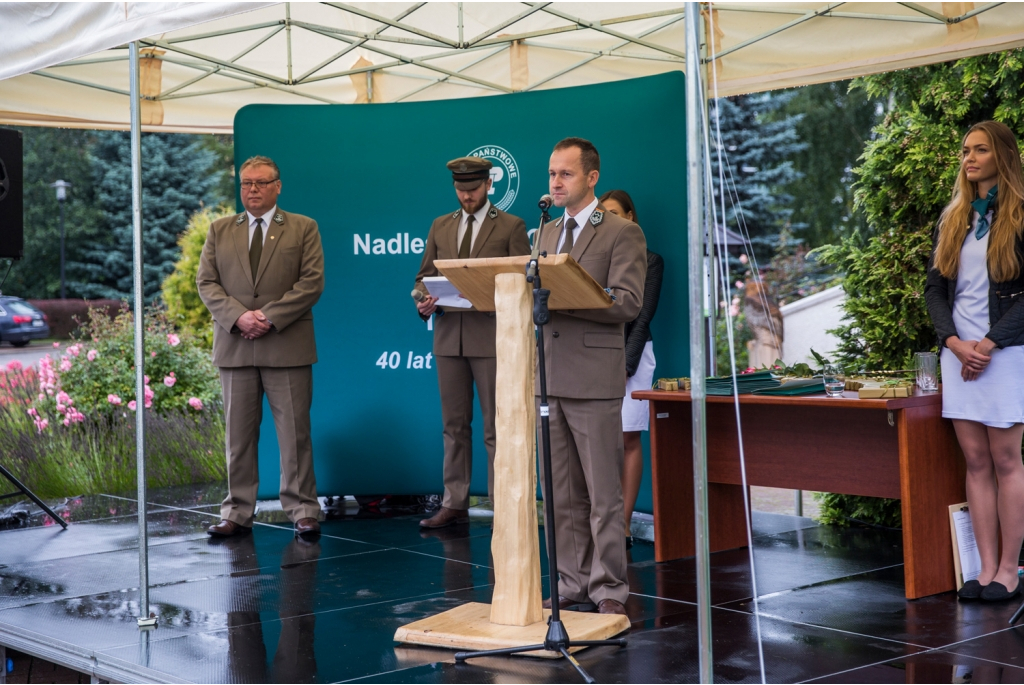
x=515 y=616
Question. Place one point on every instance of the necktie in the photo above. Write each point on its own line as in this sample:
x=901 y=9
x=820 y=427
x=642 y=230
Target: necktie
x=467 y=240
x=981 y=206
x=256 y=248
x=570 y=226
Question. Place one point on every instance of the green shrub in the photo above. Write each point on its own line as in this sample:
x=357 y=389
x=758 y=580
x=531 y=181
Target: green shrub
x=840 y=510
x=180 y=295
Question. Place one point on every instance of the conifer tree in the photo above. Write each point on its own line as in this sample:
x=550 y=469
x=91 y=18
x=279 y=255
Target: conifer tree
x=758 y=145
x=178 y=178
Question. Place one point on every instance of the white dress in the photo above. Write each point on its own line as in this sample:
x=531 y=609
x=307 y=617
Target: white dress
x=636 y=416
x=996 y=397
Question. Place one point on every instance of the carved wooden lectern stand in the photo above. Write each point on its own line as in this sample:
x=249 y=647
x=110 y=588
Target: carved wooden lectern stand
x=515 y=616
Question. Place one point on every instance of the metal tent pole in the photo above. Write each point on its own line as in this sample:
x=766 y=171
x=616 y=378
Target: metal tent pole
x=145 y=620
x=695 y=226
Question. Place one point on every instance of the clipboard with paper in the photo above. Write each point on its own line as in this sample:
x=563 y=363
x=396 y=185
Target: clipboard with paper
x=966 y=560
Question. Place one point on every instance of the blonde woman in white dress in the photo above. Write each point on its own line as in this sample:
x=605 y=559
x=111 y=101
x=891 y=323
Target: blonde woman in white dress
x=975 y=296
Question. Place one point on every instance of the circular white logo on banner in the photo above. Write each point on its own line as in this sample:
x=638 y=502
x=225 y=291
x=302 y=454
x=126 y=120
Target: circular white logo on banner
x=504 y=175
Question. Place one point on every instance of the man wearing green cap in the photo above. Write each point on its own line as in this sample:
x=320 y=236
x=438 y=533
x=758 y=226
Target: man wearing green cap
x=464 y=341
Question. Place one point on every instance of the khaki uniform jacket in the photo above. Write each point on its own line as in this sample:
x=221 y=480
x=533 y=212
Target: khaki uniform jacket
x=584 y=350
x=288 y=282
x=469 y=334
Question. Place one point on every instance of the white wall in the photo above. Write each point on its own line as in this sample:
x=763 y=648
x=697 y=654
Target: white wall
x=805 y=321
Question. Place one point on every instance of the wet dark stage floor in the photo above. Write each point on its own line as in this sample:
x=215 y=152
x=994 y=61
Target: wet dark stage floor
x=270 y=608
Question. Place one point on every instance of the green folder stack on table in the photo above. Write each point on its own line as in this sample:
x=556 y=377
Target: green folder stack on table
x=796 y=386
x=746 y=383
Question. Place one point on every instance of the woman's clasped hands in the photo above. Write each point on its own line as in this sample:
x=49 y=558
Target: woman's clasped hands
x=974 y=355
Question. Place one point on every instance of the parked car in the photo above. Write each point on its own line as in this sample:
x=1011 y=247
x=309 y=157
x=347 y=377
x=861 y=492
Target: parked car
x=20 y=322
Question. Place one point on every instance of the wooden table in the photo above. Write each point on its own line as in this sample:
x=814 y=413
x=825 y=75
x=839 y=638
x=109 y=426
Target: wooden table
x=897 y=448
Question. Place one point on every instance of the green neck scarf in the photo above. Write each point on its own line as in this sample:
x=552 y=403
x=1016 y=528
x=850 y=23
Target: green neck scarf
x=982 y=206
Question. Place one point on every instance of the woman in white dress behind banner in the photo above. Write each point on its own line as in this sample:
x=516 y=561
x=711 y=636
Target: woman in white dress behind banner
x=975 y=296
x=639 y=365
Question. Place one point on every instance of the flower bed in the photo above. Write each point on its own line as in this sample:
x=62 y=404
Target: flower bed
x=70 y=427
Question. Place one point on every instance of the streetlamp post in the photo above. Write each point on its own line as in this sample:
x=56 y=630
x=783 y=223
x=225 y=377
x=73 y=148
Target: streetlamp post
x=62 y=195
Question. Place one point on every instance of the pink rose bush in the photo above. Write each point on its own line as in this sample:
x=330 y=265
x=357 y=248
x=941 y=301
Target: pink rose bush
x=68 y=422
x=94 y=378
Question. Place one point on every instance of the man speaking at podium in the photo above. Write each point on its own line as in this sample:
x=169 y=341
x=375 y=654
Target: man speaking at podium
x=464 y=341
x=585 y=360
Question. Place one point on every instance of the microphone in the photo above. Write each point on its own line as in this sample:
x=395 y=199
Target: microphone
x=420 y=297
x=545 y=202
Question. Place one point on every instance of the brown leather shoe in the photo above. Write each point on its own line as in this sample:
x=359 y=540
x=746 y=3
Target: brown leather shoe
x=446 y=517
x=226 y=529
x=307 y=527
x=611 y=606
x=565 y=603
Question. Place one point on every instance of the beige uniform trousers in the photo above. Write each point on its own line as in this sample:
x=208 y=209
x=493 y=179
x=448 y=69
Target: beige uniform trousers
x=455 y=378
x=586 y=469
x=290 y=393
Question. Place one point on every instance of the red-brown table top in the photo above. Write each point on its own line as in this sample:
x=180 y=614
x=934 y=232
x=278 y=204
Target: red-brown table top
x=848 y=400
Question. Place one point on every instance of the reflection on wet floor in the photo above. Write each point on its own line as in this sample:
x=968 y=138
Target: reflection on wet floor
x=269 y=607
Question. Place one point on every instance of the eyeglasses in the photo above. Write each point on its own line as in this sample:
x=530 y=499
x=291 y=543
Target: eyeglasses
x=247 y=185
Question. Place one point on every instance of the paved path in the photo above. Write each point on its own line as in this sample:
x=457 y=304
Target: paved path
x=30 y=354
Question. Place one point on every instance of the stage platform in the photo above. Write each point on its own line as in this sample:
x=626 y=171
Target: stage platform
x=270 y=608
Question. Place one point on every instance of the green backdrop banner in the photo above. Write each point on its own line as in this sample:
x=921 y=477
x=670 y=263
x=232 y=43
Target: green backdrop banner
x=374 y=178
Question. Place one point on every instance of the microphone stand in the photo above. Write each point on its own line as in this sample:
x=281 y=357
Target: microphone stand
x=557 y=638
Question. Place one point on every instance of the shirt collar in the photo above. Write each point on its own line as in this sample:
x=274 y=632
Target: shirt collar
x=584 y=216
x=266 y=217
x=478 y=216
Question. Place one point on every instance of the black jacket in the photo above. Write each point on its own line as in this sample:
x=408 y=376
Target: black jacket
x=638 y=331
x=1005 y=308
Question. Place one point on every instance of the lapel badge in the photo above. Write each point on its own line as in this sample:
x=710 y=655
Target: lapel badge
x=279 y=218
x=493 y=213
x=456 y=214
x=240 y=219
x=596 y=218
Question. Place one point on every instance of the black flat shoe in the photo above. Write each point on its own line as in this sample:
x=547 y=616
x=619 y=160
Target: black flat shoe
x=997 y=592
x=971 y=591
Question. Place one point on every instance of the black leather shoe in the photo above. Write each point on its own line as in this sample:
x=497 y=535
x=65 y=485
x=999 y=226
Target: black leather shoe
x=970 y=591
x=997 y=592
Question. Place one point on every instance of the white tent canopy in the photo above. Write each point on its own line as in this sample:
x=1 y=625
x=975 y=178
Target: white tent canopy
x=66 y=64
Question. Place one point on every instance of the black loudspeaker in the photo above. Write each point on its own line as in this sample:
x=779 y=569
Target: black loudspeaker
x=12 y=214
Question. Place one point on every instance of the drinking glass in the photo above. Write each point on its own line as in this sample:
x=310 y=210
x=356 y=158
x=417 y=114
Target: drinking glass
x=926 y=364
x=835 y=380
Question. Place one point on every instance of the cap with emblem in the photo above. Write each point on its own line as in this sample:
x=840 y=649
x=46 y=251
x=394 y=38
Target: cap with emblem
x=469 y=172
